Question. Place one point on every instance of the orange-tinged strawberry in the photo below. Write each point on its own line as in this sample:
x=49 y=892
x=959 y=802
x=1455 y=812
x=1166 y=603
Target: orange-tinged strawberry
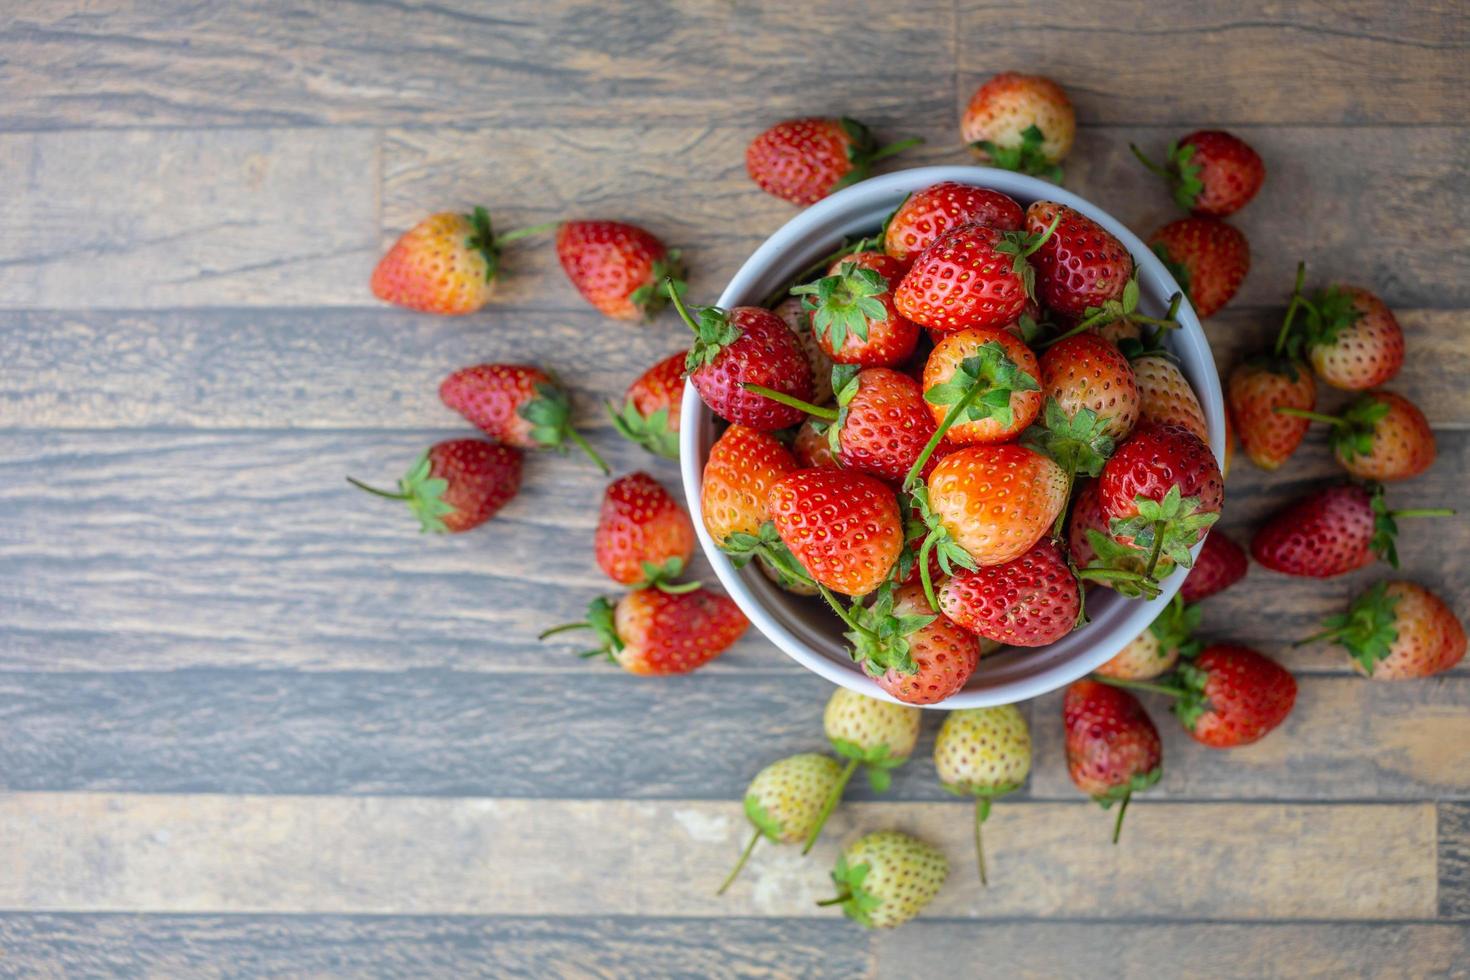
x=517 y=404
x=1397 y=630
x=652 y=632
x=853 y=316
x=619 y=268
x=943 y=655
x=1379 y=436
x=652 y=407
x=1029 y=602
x=994 y=502
x=927 y=214
x=804 y=160
x=843 y=528
x=1081 y=266
x=1113 y=749
x=1164 y=395
x=457 y=484
x=1020 y=122
x=998 y=375
x=446 y=263
x=1089 y=372
x=1207 y=257
x=742 y=467
x=1256 y=389
x=643 y=536
x=1353 y=340
x=1211 y=172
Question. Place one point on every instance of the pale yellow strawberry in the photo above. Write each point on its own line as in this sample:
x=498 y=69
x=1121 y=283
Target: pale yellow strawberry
x=984 y=753
x=1165 y=396
x=886 y=878
x=784 y=801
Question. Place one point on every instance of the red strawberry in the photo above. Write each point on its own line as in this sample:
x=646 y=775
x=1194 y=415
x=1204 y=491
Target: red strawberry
x=1379 y=436
x=1161 y=491
x=458 y=484
x=1332 y=531
x=1396 y=631
x=971 y=276
x=516 y=404
x=643 y=536
x=1020 y=122
x=1208 y=258
x=1221 y=563
x=742 y=467
x=1113 y=749
x=1086 y=515
x=842 y=527
x=1081 y=266
x=1165 y=395
x=795 y=315
x=1353 y=340
x=804 y=160
x=1231 y=695
x=655 y=632
x=1256 y=390
x=1211 y=172
x=853 y=316
x=981 y=386
x=446 y=263
x=942 y=654
x=619 y=268
x=652 y=406
x=1029 y=602
x=927 y=214
x=746 y=345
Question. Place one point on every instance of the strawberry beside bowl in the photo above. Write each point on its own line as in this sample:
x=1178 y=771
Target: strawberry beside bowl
x=804 y=629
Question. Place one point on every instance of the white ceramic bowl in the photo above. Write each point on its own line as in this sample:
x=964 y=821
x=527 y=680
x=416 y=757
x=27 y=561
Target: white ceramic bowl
x=805 y=629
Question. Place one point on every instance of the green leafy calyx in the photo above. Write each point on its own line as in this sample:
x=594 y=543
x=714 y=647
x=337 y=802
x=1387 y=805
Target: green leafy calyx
x=1027 y=156
x=667 y=273
x=651 y=431
x=845 y=303
x=987 y=379
x=1368 y=629
x=1078 y=443
x=1354 y=434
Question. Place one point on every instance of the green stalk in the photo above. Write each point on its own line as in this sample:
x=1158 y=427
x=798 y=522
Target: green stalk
x=837 y=608
x=829 y=804
x=924 y=576
x=1158 y=549
x=1422 y=512
x=374 y=490
x=982 y=810
x=1154 y=167
x=519 y=233
x=892 y=149
x=1302 y=413
x=829 y=414
x=586 y=447
x=1118 y=823
x=949 y=419
x=1165 y=689
x=563 y=628
x=744 y=856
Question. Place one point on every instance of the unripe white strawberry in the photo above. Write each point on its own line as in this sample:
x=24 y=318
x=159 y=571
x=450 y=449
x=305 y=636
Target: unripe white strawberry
x=886 y=878
x=785 y=799
x=1158 y=648
x=984 y=753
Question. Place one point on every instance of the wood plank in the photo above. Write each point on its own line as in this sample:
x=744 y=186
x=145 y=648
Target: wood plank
x=443 y=733
x=1454 y=860
x=90 y=852
x=1142 y=950
x=158 y=550
x=427 y=946
x=187 y=218
x=1225 y=63
x=457 y=63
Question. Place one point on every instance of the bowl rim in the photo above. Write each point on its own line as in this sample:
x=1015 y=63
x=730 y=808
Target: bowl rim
x=857 y=200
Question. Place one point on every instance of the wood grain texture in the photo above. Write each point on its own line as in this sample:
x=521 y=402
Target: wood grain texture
x=559 y=63
x=601 y=734
x=156 y=550
x=186 y=218
x=1288 y=951
x=1229 y=63
x=1454 y=861
x=91 y=852
x=47 y=945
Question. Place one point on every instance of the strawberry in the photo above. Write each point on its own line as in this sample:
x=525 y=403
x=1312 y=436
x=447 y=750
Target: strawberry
x=1087 y=372
x=1353 y=340
x=516 y=404
x=984 y=753
x=1101 y=560
x=618 y=268
x=1158 y=648
x=886 y=878
x=652 y=406
x=874 y=734
x=643 y=536
x=651 y=632
x=1020 y=122
x=853 y=316
x=812 y=446
x=1208 y=258
x=746 y=345
x=1164 y=395
x=1081 y=265
x=1161 y=490
x=843 y=528
x=987 y=505
x=1256 y=393
x=1029 y=602
x=927 y=214
x=804 y=160
x=1086 y=515
x=457 y=484
x=1113 y=749
x=446 y=263
x=1333 y=531
x=1211 y=172
x=795 y=315
x=942 y=655
x=1396 y=631
x=1379 y=436
x=1228 y=695
x=784 y=800
x=1221 y=563
x=981 y=386
x=742 y=467
x=971 y=276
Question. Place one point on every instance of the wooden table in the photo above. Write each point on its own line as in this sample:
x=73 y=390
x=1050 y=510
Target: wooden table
x=252 y=723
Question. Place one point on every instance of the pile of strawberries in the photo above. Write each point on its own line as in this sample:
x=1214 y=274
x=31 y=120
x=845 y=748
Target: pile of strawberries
x=949 y=432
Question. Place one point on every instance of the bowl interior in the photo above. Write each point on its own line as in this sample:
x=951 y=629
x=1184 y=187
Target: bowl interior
x=804 y=628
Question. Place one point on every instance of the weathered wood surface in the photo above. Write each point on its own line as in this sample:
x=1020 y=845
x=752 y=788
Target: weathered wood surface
x=240 y=703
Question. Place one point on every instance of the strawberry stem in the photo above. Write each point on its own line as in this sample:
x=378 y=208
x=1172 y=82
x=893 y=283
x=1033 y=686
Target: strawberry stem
x=837 y=899
x=982 y=810
x=893 y=149
x=842 y=614
x=744 y=856
x=830 y=414
x=821 y=265
x=949 y=419
x=1422 y=512
x=1319 y=637
x=1152 y=688
x=1298 y=302
x=563 y=628
x=1154 y=167
x=1118 y=823
x=1158 y=549
x=527 y=232
x=924 y=577
x=1302 y=413
x=829 y=804
x=673 y=292
x=1041 y=240
x=374 y=490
